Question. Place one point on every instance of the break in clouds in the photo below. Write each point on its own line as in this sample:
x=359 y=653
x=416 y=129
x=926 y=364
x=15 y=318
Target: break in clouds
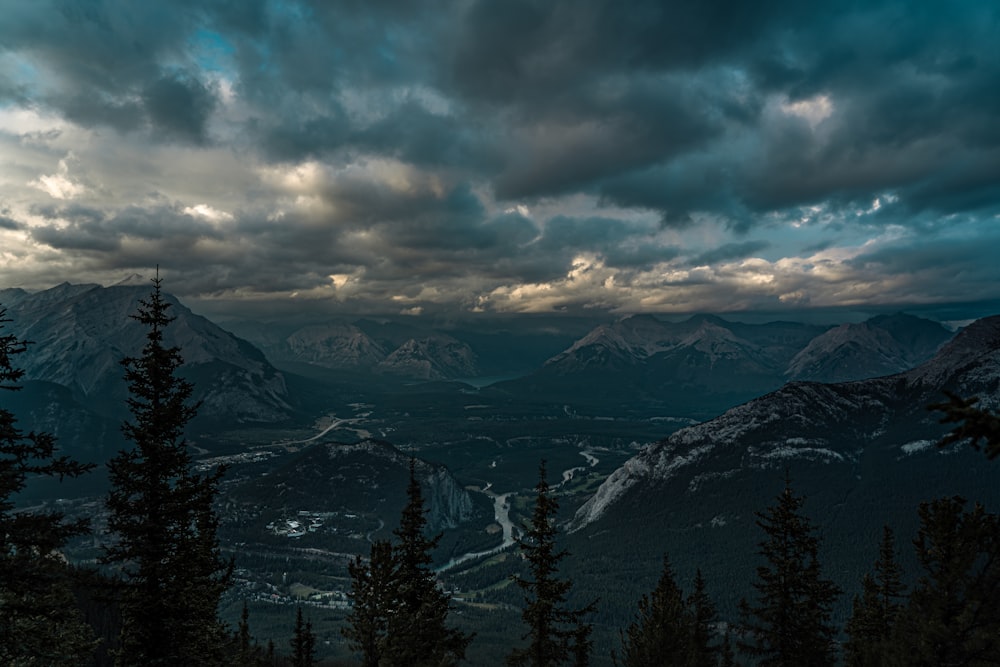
x=415 y=157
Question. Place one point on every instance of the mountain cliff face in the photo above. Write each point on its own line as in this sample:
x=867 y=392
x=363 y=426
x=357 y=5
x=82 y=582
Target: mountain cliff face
x=434 y=358
x=365 y=477
x=80 y=334
x=334 y=346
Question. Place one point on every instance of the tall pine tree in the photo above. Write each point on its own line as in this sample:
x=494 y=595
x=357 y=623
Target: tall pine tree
x=661 y=632
x=373 y=599
x=418 y=633
x=303 y=642
x=39 y=621
x=161 y=516
x=953 y=615
x=875 y=611
x=790 y=623
x=557 y=633
x=400 y=615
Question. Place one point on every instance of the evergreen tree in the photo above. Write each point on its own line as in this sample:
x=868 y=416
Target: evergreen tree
x=303 y=642
x=557 y=634
x=162 y=516
x=39 y=621
x=702 y=652
x=953 y=615
x=981 y=428
x=789 y=626
x=875 y=611
x=418 y=634
x=373 y=600
x=248 y=653
x=661 y=632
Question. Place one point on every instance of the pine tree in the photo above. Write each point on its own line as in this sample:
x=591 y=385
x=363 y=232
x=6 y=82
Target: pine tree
x=790 y=624
x=162 y=516
x=39 y=621
x=418 y=633
x=248 y=652
x=953 y=617
x=303 y=642
x=557 y=634
x=875 y=611
x=661 y=632
x=981 y=428
x=373 y=600
x=702 y=651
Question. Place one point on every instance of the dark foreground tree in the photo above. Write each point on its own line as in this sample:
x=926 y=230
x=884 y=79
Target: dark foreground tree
x=418 y=633
x=790 y=623
x=557 y=633
x=661 y=631
x=670 y=629
x=953 y=614
x=979 y=427
x=875 y=611
x=161 y=516
x=303 y=642
x=373 y=598
x=39 y=621
x=400 y=615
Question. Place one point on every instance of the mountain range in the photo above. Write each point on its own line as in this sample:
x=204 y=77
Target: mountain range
x=863 y=453
x=704 y=365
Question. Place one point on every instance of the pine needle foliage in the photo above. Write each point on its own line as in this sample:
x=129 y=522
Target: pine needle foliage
x=952 y=617
x=977 y=426
x=876 y=610
x=557 y=633
x=790 y=623
x=161 y=515
x=39 y=621
x=400 y=614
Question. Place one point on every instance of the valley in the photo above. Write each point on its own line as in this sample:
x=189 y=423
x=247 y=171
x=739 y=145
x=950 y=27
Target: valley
x=659 y=437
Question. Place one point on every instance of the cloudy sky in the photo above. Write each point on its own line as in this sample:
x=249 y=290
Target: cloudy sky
x=476 y=156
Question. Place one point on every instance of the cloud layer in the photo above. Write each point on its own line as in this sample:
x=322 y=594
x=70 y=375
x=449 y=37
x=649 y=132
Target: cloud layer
x=506 y=156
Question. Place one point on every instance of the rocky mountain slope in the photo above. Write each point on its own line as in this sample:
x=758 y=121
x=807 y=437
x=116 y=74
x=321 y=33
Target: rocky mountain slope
x=862 y=452
x=880 y=346
x=80 y=334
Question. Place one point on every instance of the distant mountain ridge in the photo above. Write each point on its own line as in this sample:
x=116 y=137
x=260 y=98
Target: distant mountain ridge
x=706 y=364
x=403 y=352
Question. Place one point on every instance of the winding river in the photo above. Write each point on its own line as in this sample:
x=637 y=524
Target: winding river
x=501 y=514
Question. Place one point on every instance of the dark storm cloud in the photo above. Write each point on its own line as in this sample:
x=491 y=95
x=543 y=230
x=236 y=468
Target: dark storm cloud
x=426 y=119
x=81 y=228
x=728 y=252
x=9 y=223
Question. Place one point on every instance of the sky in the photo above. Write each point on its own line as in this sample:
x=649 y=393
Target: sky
x=481 y=157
